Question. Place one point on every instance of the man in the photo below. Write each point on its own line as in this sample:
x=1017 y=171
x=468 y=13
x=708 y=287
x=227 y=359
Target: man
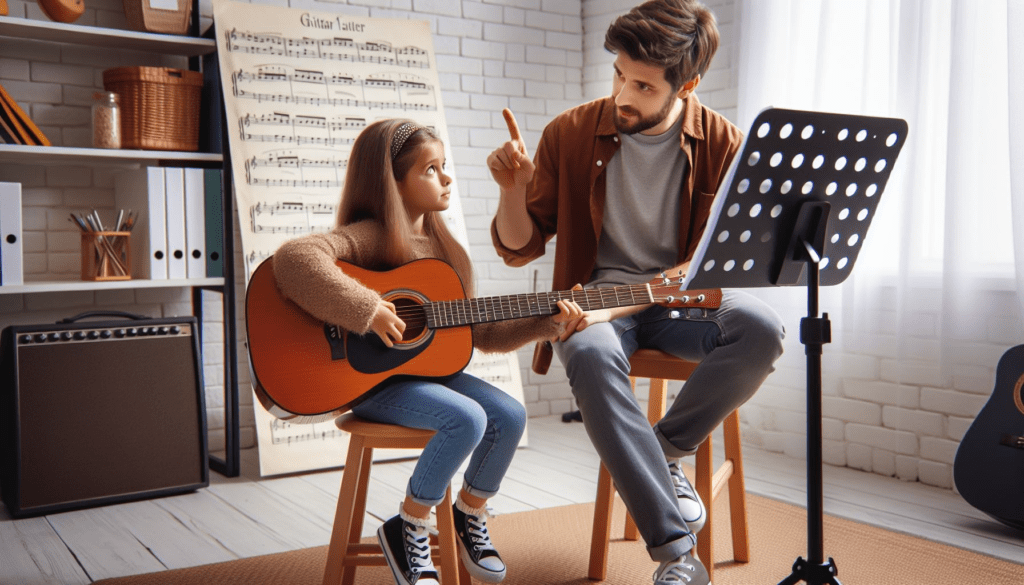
x=626 y=183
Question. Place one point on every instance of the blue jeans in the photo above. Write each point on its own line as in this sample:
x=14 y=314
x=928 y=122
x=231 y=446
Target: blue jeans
x=470 y=417
x=736 y=345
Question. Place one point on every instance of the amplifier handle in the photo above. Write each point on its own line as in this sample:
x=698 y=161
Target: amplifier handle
x=88 y=314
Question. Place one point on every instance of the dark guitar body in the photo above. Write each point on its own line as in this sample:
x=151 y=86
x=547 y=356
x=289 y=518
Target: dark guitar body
x=989 y=464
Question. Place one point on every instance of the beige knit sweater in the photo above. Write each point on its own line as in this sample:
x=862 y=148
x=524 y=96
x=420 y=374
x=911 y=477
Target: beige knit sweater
x=306 y=273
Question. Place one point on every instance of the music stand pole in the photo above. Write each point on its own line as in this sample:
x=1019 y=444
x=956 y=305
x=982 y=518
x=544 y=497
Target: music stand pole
x=815 y=331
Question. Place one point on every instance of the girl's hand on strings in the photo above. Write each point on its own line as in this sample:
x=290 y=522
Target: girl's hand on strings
x=387 y=324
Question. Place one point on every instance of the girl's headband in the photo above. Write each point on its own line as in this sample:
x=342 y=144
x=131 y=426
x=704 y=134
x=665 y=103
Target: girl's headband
x=401 y=135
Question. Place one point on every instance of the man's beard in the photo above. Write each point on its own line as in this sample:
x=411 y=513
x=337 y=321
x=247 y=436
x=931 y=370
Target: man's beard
x=642 y=123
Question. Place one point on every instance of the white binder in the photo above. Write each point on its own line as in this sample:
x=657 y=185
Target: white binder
x=11 y=266
x=174 y=181
x=195 y=223
x=142 y=191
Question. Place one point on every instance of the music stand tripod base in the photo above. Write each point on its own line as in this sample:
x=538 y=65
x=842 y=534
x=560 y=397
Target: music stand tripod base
x=805 y=571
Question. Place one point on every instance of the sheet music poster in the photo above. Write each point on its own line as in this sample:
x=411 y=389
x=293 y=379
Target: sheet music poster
x=299 y=86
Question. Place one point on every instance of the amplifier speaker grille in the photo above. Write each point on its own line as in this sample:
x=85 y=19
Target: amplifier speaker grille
x=103 y=420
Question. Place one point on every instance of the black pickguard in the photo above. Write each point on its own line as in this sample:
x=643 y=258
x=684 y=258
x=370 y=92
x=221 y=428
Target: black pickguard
x=367 y=354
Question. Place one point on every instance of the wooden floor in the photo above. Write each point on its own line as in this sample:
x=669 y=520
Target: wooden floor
x=246 y=516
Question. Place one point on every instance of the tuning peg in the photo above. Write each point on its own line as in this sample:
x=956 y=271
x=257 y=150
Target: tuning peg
x=671 y=299
x=700 y=298
x=685 y=299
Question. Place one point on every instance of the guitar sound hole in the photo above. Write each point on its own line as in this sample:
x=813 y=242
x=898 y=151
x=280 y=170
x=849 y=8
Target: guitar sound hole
x=411 y=311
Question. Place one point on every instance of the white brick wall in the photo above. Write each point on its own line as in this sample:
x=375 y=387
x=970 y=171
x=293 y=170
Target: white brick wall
x=537 y=57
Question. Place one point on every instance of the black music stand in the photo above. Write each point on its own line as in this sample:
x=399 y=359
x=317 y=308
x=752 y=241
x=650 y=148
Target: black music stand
x=794 y=210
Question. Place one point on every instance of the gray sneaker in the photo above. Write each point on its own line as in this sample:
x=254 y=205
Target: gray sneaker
x=686 y=570
x=692 y=509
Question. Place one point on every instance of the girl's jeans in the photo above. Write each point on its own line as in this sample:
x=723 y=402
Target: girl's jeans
x=471 y=417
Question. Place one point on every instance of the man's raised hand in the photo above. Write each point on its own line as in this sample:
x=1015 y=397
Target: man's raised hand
x=510 y=164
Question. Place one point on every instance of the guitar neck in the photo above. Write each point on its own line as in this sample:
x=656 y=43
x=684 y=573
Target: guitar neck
x=457 y=313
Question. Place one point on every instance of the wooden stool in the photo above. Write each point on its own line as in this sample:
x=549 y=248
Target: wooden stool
x=345 y=551
x=661 y=367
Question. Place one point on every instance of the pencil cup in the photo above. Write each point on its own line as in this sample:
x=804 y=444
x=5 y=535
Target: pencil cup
x=106 y=256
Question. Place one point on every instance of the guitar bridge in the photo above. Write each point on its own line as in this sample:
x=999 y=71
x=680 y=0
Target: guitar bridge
x=1015 y=441
x=336 y=340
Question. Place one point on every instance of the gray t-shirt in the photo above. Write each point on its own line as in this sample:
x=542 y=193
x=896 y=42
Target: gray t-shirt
x=640 y=233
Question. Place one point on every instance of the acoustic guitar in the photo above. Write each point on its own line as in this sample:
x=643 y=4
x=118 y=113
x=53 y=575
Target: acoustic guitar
x=305 y=370
x=989 y=464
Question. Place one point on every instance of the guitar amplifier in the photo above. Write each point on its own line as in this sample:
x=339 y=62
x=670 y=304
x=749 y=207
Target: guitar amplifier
x=101 y=412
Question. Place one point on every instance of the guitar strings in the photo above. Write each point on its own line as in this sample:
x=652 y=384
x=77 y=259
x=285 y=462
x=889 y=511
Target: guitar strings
x=416 y=314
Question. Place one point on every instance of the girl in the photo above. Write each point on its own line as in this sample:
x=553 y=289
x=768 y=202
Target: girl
x=395 y=188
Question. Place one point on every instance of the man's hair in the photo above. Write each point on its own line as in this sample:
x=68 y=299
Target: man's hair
x=679 y=35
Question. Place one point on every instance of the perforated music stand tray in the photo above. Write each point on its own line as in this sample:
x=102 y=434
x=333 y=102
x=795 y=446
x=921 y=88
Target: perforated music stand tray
x=794 y=210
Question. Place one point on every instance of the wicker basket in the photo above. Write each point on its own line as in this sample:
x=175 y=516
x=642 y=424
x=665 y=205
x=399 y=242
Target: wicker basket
x=159 y=106
x=143 y=16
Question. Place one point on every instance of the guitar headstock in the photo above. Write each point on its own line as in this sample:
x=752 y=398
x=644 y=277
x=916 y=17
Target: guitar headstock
x=669 y=295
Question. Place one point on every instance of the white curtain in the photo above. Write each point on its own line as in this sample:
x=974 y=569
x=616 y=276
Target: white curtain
x=942 y=247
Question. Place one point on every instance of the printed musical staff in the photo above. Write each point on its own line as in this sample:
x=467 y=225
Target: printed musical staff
x=255 y=257
x=286 y=85
x=285 y=433
x=307 y=169
x=292 y=218
x=331 y=49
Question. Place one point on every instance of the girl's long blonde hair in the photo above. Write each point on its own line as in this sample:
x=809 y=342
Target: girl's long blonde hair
x=371 y=192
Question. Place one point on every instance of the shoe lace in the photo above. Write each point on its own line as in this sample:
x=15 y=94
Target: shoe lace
x=676 y=570
x=417 y=545
x=477 y=529
x=679 y=481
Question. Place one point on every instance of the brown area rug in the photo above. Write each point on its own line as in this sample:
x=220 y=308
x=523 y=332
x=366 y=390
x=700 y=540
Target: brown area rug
x=548 y=547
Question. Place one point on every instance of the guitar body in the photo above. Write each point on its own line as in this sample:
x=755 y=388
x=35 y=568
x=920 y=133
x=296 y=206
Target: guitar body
x=305 y=369
x=989 y=464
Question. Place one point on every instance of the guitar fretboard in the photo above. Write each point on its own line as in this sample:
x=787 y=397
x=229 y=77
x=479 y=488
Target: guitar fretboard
x=441 y=314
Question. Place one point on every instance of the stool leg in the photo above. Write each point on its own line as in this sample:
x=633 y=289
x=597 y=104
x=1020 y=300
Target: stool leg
x=705 y=472
x=737 y=489
x=603 y=507
x=356 y=531
x=448 y=560
x=346 y=510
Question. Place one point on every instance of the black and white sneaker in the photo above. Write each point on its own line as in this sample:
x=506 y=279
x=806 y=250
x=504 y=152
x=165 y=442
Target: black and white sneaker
x=686 y=570
x=482 y=561
x=692 y=509
x=407 y=550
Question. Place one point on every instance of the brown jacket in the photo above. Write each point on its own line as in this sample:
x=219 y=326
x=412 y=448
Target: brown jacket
x=306 y=273
x=566 y=196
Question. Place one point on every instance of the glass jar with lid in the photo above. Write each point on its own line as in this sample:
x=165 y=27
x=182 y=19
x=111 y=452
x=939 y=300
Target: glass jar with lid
x=106 y=120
